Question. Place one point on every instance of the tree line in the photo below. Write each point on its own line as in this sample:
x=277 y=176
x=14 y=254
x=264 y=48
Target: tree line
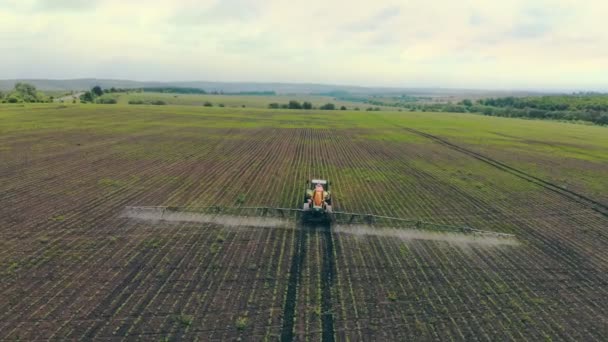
x=293 y=104
x=591 y=108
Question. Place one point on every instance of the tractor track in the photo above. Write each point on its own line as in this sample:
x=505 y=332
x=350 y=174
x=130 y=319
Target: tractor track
x=327 y=282
x=328 y=268
x=572 y=195
x=295 y=275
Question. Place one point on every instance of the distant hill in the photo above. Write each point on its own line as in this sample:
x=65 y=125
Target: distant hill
x=233 y=87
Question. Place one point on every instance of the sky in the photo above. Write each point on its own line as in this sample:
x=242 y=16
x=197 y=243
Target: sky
x=476 y=44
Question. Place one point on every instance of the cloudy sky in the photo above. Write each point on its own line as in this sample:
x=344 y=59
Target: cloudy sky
x=524 y=44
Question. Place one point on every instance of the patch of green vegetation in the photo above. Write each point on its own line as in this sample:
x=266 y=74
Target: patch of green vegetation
x=240 y=199
x=58 y=218
x=13 y=267
x=151 y=243
x=185 y=320
x=241 y=323
x=405 y=251
x=111 y=183
x=215 y=247
x=538 y=300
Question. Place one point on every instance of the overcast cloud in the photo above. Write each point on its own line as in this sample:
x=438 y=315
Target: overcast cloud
x=531 y=44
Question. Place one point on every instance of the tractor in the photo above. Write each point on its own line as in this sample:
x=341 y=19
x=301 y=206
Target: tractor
x=317 y=202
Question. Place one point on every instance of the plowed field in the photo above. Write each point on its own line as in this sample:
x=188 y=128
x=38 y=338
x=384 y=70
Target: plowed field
x=73 y=268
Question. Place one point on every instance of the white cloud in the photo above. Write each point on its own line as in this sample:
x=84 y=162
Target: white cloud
x=470 y=43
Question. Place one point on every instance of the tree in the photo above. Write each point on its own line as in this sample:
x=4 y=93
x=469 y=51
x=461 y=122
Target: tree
x=208 y=104
x=25 y=88
x=602 y=120
x=328 y=106
x=25 y=92
x=97 y=91
x=343 y=108
x=293 y=104
x=87 y=97
x=467 y=103
x=306 y=105
x=273 y=105
x=488 y=111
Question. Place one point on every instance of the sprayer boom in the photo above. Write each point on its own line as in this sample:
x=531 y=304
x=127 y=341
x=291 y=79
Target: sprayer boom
x=338 y=217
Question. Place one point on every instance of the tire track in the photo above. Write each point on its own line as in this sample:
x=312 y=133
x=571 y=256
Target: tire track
x=572 y=195
x=295 y=275
x=327 y=282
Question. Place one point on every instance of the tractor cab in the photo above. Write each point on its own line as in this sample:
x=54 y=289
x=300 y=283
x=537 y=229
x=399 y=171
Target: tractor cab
x=314 y=183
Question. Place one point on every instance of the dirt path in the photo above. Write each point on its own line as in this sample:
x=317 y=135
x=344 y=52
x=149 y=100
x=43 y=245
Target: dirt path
x=69 y=98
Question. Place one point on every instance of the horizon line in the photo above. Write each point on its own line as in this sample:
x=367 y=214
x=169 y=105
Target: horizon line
x=363 y=87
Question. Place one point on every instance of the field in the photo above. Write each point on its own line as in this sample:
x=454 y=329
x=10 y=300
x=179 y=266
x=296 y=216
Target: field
x=73 y=267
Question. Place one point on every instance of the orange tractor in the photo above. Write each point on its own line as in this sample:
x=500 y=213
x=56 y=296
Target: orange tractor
x=317 y=201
